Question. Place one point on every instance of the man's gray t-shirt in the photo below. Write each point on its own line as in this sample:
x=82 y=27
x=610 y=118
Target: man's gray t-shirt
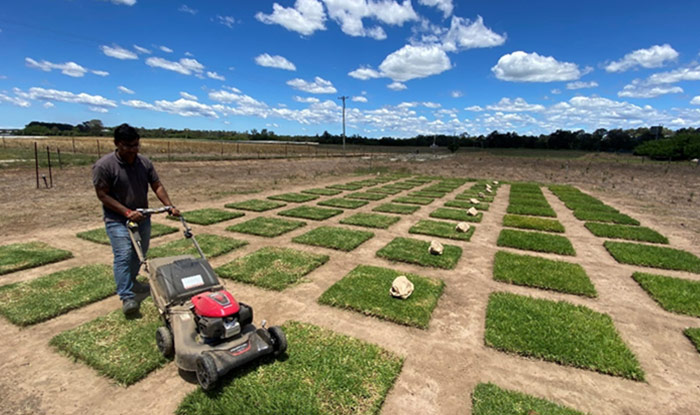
x=127 y=183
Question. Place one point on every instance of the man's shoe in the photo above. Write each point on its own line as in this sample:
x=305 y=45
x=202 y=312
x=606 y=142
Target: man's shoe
x=130 y=307
x=139 y=288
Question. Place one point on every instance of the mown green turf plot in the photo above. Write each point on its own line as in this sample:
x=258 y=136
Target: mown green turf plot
x=441 y=229
x=366 y=290
x=455 y=214
x=396 y=208
x=534 y=223
x=343 y=203
x=268 y=227
x=323 y=373
x=414 y=251
x=469 y=194
x=600 y=216
x=427 y=193
x=414 y=200
x=212 y=246
x=310 y=212
x=465 y=204
x=535 y=241
x=119 y=348
x=207 y=216
x=15 y=257
x=294 y=197
x=346 y=186
x=272 y=267
x=676 y=295
x=532 y=210
x=558 y=332
x=256 y=205
x=99 y=235
x=334 y=237
x=387 y=190
x=366 y=196
x=633 y=233
x=653 y=256
x=322 y=191
x=371 y=220
x=489 y=399
x=693 y=334
x=542 y=273
x=46 y=297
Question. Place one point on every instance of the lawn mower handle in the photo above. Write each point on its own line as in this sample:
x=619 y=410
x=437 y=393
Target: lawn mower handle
x=148 y=212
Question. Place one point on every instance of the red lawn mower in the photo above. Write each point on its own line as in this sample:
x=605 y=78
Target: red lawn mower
x=205 y=329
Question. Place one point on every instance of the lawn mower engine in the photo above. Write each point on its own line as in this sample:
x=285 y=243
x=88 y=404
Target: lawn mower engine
x=218 y=316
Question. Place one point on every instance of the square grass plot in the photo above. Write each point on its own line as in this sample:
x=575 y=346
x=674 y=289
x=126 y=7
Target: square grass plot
x=455 y=214
x=347 y=186
x=212 y=246
x=366 y=290
x=412 y=200
x=371 y=220
x=311 y=212
x=268 y=227
x=414 y=251
x=294 y=197
x=15 y=257
x=334 y=237
x=534 y=223
x=465 y=204
x=207 y=216
x=341 y=202
x=653 y=256
x=255 y=205
x=632 y=233
x=322 y=373
x=489 y=399
x=598 y=216
x=119 y=348
x=46 y=297
x=441 y=229
x=693 y=334
x=272 y=268
x=322 y=191
x=366 y=196
x=401 y=209
x=99 y=235
x=558 y=332
x=535 y=241
x=532 y=210
x=676 y=295
x=542 y=273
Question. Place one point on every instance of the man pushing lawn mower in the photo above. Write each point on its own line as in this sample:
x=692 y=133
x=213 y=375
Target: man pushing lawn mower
x=121 y=180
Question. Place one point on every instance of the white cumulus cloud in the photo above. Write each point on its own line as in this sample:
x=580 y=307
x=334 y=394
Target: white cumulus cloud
x=318 y=86
x=412 y=62
x=165 y=49
x=396 y=86
x=306 y=17
x=464 y=34
x=51 y=95
x=185 y=9
x=275 y=61
x=581 y=85
x=359 y=99
x=696 y=100
x=67 y=68
x=678 y=75
x=124 y=2
x=188 y=96
x=125 y=90
x=227 y=21
x=143 y=50
x=214 y=75
x=532 y=67
x=118 y=52
x=639 y=89
x=456 y=94
x=306 y=100
x=443 y=5
x=654 y=57
x=516 y=105
x=365 y=74
x=184 y=66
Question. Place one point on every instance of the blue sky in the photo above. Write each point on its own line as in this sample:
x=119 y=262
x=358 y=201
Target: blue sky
x=407 y=67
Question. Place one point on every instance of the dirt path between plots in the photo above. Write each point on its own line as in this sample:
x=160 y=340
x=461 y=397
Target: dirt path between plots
x=444 y=363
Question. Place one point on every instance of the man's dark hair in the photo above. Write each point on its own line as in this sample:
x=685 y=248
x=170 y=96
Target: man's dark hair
x=125 y=133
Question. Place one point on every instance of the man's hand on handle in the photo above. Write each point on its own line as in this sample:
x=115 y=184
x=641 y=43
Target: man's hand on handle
x=174 y=211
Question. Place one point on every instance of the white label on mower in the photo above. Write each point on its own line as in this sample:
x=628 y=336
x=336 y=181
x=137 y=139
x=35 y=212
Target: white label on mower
x=193 y=281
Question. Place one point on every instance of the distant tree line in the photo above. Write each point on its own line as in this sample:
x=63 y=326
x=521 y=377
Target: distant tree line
x=655 y=142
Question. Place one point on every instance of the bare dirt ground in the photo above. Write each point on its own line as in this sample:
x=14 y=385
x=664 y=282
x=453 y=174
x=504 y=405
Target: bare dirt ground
x=444 y=363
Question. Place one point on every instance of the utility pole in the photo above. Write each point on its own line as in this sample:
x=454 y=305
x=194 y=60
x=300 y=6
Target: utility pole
x=343 y=98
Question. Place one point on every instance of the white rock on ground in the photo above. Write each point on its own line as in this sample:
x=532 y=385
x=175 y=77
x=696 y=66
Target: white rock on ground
x=474 y=201
x=472 y=212
x=435 y=248
x=401 y=288
x=462 y=227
